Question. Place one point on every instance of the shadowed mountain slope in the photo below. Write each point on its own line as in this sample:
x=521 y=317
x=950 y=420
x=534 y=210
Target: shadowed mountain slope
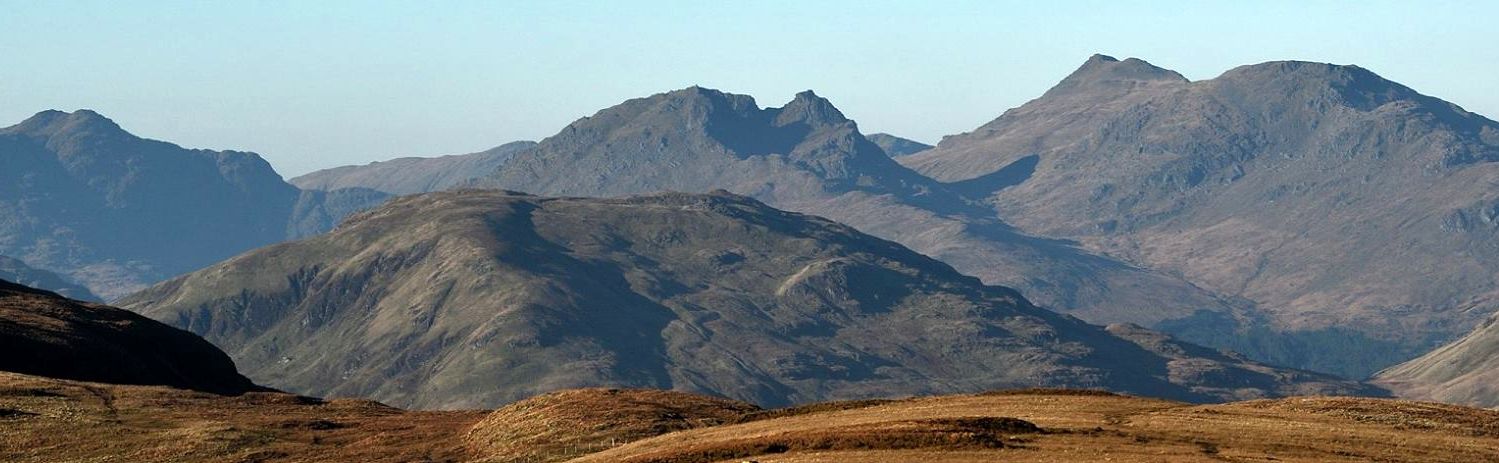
x=116 y=212
x=481 y=297
x=1358 y=214
x=808 y=157
x=42 y=333
x=15 y=271
x=404 y=176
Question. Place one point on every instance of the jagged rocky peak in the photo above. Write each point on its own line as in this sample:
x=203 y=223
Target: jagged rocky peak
x=698 y=103
x=811 y=109
x=707 y=118
x=1103 y=71
x=806 y=107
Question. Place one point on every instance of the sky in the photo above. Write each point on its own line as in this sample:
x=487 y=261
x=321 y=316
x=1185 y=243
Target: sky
x=317 y=84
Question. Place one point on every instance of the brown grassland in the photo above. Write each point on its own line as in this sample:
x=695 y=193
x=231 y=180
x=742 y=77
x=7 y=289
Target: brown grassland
x=47 y=420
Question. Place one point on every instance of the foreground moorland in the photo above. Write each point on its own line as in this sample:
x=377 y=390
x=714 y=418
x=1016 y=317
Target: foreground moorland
x=50 y=420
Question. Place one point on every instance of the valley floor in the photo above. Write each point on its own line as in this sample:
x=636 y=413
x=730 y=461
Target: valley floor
x=47 y=420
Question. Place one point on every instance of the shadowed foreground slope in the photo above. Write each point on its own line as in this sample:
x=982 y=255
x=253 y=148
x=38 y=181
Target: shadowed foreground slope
x=47 y=420
x=42 y=333
x=477 y=298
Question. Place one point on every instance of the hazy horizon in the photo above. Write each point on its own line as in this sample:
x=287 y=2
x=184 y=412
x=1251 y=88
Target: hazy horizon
x=311 y=86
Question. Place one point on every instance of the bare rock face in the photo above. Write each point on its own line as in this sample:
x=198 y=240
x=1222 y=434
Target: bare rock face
x=404 y=176
x=1464 y=372
x=1354 y=212
x=475 y=298
x=44 y=334
x=115 y=212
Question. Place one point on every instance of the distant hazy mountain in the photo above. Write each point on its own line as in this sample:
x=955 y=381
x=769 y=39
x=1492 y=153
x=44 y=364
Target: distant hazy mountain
x=15 y=271
x=807 y=157
x=317 y=211
x=1463 y=372
x=44 y=334
x=1358 y=214
x=479 y=297
x=116 y=212
x=897 y=146
x=406 y=176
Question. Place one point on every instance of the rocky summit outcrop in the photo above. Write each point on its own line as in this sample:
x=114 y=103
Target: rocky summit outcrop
x=1464 y=372
x=45 y=334
x=897 y=146
x=477 y=298
x=404 y=176
x=81 y=196
x=806 y=156
x=1356 y=213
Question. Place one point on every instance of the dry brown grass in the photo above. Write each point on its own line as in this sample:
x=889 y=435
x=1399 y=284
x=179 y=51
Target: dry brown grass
x=944 y=434
x=1106 y=427
x=810 y=408
x=567 y=424
x=67 y=421
x=45 y=420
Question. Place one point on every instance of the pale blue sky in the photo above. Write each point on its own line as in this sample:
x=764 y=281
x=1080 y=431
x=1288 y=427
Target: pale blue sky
x=314 y=84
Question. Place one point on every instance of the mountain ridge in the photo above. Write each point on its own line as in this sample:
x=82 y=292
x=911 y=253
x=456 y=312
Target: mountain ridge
x=699 y=140
x=410 y=175
x=1270 y=183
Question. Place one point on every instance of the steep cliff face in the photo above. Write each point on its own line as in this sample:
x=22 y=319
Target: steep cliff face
x=1355 y=212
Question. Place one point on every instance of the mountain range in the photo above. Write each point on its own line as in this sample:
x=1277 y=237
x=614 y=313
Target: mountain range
x=806 y=156
x=476 y=298
x=82 y=197
x=1306 y=214
x=1356 y=214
